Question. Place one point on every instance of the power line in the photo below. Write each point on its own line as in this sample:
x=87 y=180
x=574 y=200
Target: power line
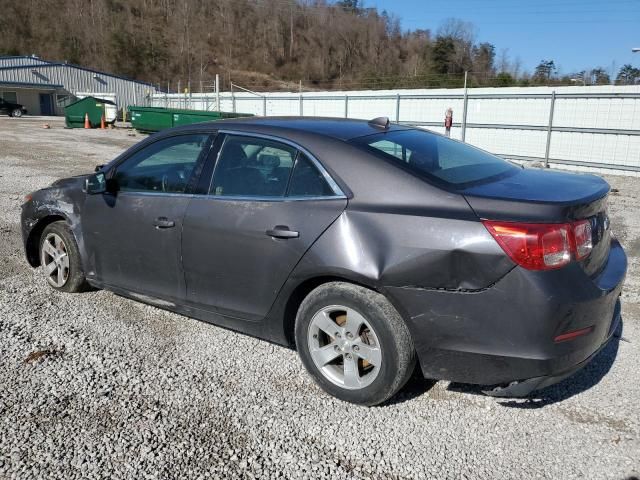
x=332 y=8
x=450 y=9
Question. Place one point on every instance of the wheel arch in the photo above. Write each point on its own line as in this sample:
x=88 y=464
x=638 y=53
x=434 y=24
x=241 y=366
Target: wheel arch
x=289 y=305
x=33 y=240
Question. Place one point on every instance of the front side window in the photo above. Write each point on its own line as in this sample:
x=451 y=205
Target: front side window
x=438 y=158
x=253 y=167
x=164 y=166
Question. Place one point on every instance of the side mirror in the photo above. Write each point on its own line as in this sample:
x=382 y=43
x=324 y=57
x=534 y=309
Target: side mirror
x=96 y=183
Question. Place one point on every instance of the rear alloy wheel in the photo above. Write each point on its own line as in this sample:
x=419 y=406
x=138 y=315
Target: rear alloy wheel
x=344 y=347
x=16 y=113
x=354 y=343
x=60 y=259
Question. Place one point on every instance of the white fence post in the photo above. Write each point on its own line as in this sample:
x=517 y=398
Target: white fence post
x=549 y=129
x=218 y=92
x=464 y=109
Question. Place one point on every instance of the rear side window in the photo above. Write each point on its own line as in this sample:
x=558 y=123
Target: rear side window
x=441 y=159
x=307 y=181
x=252 y=167
x=9 y=97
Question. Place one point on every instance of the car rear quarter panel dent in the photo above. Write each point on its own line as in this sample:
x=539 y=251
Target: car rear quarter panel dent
x=394 y=250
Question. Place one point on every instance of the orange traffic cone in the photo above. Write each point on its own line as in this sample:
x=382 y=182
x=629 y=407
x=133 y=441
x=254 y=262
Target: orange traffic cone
x=102 y=122
x=86 y=121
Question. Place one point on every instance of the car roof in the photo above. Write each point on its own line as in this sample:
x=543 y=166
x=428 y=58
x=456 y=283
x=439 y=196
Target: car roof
x=337 y=128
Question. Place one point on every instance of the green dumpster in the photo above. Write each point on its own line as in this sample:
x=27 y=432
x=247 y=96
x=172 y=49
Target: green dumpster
x=154 y=119
x=95 y=108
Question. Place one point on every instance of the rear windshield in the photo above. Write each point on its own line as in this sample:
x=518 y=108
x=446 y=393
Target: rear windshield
x=438 y=158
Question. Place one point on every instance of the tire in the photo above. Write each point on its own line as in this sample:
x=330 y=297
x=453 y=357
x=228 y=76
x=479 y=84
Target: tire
x=60 y=259
x=16 y=113
x=368 y=330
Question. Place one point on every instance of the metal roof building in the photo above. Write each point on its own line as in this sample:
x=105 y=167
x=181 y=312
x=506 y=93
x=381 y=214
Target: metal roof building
x=45 y=88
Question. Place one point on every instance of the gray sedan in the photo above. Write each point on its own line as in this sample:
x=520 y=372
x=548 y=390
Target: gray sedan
x=372 y=248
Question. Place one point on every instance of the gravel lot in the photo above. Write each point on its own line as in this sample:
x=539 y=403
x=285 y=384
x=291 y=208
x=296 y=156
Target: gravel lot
x=97 y=386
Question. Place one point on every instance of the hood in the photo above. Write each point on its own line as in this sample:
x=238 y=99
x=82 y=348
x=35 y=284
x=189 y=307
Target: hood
x=78 y=180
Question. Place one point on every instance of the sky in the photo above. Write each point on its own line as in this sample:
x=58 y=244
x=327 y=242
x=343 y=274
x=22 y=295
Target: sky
x=576 y=34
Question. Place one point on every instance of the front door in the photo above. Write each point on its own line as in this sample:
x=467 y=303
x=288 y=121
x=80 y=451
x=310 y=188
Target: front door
x=46 y=105
x=133 y=234
x=266 y=206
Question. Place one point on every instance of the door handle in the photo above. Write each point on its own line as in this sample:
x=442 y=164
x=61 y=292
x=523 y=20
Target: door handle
x=282 y=231
x=163 y=222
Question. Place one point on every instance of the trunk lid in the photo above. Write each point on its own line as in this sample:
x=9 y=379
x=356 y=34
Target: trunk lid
x=543 y=196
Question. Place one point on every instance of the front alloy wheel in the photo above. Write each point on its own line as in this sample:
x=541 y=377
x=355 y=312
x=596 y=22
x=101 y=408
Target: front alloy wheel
x=55 y=260
x=60 y=258
x=16 y=113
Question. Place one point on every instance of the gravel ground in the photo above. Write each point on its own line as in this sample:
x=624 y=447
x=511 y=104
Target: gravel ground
x=94 y=385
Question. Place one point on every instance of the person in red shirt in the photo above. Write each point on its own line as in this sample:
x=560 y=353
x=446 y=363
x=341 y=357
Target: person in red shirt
x=448 y=122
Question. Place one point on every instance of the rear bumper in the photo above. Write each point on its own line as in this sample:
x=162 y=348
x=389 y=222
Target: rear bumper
x=505 y=333
x=522 y=388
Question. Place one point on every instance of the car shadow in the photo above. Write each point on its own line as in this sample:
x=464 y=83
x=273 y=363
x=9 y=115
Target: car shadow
x=579 y=382
x=416 y=386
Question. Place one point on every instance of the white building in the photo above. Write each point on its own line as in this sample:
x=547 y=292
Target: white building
x=44 y=88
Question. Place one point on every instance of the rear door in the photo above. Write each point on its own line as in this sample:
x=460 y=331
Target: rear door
x=266 y=204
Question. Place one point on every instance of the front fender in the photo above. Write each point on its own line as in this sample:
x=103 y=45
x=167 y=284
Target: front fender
x=46 y=206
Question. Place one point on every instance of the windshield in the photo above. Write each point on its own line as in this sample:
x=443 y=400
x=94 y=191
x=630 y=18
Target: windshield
x=446 y=161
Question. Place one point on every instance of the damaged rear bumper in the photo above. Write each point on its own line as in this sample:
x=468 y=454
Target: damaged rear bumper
x=509 y=333
x=522 y=388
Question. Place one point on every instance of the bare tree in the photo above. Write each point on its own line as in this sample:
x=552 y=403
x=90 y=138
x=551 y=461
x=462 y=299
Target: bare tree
x=258 y=43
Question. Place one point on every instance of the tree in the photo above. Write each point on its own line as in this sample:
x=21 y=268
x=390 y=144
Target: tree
x=628 y=75
x=462 y=35
x=504 y=79
x=260 y=44
x=484 y=56
x=504 y=64
x=443 y=55
x=351 y=6
x=544 y=71
x=600 y=76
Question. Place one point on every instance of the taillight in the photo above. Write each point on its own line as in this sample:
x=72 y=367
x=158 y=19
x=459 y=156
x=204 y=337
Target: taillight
x=542 y=246
x=583 y=238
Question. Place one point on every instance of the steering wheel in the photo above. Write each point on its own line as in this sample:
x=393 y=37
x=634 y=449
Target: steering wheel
x=177 y=177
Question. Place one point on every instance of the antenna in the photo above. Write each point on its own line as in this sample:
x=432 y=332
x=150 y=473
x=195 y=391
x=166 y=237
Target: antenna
x=380 y=122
